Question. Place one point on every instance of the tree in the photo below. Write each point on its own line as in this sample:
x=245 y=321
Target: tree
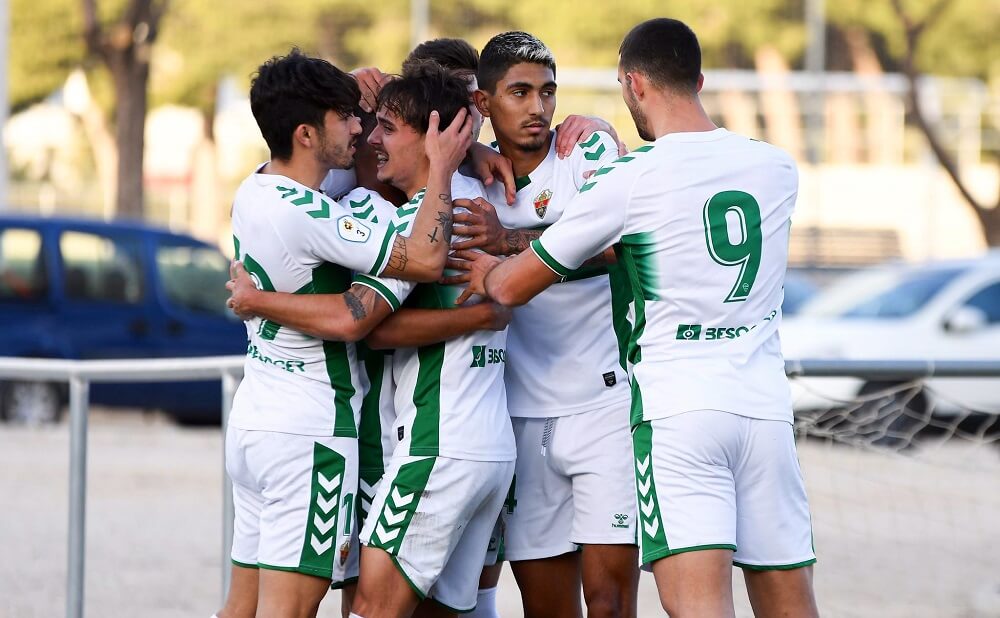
x=124 y=46
x=914 y=29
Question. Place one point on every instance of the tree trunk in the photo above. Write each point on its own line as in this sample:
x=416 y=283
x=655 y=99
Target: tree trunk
x=131 y=77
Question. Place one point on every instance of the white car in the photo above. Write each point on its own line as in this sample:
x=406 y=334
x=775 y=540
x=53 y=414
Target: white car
x=947 y=310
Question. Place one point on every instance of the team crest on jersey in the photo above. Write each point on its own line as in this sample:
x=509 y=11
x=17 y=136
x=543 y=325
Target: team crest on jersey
x=542 y=203
x=352 y=230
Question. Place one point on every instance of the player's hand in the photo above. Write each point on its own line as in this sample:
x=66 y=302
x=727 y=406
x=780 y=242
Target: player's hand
x=576 y=129
x=490 y=166
x=498 y=317
x=241 y=291
x=370 y=81
x=482 y=227
x=447 y=148
x=478 y=265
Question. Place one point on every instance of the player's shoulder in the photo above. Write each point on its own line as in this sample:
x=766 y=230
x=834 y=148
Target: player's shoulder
x=367 y=205
x=623 y=169
x=466 y=187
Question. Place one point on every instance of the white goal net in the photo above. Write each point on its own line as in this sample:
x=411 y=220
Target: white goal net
x=904 y=485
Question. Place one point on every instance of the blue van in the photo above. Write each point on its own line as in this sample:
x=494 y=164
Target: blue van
x=74 y=288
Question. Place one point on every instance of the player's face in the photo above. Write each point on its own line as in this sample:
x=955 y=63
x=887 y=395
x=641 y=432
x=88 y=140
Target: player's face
x=336 y=141
x=523 y=104
x=632 y=103
x=399 y=152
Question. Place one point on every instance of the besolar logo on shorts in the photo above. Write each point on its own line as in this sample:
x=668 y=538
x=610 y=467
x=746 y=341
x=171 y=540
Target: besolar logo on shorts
x=689 y=332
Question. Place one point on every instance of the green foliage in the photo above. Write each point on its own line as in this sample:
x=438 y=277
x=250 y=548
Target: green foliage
x=963 y=41
x=203 y=40
x=45 y=46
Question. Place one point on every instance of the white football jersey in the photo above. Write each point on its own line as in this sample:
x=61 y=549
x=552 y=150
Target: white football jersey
x=450 y=398
x=701 y=221
x=564 y=355
x=375 y=442
x=293 y=239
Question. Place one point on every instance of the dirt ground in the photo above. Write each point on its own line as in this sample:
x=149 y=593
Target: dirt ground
x=897 y=536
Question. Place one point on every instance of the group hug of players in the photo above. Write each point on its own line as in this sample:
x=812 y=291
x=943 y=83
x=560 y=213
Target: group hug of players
x=445 y=373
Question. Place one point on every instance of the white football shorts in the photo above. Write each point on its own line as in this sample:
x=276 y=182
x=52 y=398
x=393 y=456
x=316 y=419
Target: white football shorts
x=573 y=484
x=294 y=501
x=434 y=516
x=713 y=480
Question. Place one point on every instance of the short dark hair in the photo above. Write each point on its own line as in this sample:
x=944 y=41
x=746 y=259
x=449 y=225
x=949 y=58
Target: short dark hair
x=296 y=89
x=452 y=54
x=426 y=87
x=507 y=49
x=664 y=50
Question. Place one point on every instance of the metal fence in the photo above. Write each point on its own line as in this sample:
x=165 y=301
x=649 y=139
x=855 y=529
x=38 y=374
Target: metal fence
x=80 y=374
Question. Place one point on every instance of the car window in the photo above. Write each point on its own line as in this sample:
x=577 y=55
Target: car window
x=987 y=300
x=908 y=295
x=22 y=265
x=101 y=268
x=194 y=278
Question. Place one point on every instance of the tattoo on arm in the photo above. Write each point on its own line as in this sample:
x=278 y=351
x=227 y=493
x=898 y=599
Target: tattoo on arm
x=398 y=259
x=519 y=240
x=433 y=236
x=444 y=221
x=359 y=300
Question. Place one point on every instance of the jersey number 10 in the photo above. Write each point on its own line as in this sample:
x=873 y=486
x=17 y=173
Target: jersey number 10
x=742 y=210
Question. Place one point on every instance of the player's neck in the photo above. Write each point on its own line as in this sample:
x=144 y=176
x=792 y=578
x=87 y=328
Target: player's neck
x=524 y=161
x=307 y=173
x=680 y=115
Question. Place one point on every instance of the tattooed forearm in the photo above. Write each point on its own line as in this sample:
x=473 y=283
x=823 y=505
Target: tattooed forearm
x=359 y=300
x=354 y=303
x=397 y=259
x=519 y=240
x=444 y=222
x=445 y=198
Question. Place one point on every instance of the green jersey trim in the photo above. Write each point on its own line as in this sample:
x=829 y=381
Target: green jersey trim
x=380 y=288
x=425 y=438
x=382 y=259
x=548 y=260
x=244 y=565
x=521 y=182
x=370 y=427
x=332 y=279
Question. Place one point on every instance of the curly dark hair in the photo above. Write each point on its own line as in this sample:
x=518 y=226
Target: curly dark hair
x=424 y=88
x=297 y=89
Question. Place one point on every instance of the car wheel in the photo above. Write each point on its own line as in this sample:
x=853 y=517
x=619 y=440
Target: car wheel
x=890 y=415
x=31 y=403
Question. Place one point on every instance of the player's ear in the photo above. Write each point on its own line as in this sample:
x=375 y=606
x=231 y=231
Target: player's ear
x=304 y=135
x=482 y=101
x=637 y=84
x=701 y=82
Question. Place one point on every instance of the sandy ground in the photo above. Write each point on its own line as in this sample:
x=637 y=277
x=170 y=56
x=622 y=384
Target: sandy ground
x=897 y=536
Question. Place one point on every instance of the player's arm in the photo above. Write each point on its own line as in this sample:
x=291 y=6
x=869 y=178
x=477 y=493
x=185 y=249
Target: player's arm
x=514 y=281
x=592 y=223
x=349 y=316
x=422 y=256
x=412 y=328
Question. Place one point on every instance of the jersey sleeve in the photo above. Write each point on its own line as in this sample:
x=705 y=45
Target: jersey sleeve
x=593 y=221
x=336 y=235
x=393 y=291
x=595 y=152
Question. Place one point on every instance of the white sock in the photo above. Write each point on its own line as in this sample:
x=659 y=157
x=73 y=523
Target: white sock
x=486 y=604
